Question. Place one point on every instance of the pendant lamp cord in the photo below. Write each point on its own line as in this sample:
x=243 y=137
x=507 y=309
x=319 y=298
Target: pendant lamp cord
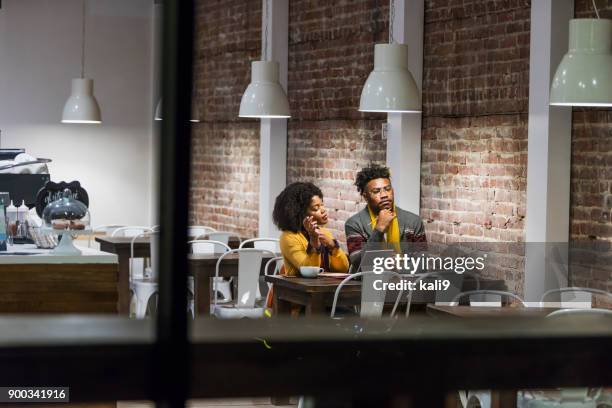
x=595 y=7
x=83 y=43
x=266 y=23
x=391 y=19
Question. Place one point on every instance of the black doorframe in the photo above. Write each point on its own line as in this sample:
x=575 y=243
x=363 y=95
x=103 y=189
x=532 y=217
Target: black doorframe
x=172 y=347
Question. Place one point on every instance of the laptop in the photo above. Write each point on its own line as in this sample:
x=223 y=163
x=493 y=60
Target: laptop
x=367 y=259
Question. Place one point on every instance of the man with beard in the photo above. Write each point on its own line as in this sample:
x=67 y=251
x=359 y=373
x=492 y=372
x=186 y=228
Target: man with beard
x=381 y=223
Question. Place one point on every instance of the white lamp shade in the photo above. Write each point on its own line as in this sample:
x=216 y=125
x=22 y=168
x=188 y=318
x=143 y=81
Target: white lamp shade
x=584 y=76
x=81 y=106
x=390 y=87
x=195 y=113
x=264 y=97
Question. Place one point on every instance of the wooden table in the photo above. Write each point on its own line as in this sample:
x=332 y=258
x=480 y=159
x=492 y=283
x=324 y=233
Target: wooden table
x=201 y=266
x=485 y=311
x=317 y=294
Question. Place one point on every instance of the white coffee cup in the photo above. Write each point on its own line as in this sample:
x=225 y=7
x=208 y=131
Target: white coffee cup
x=310 y=271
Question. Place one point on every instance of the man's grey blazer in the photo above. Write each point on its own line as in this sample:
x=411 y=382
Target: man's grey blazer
x=359 y=232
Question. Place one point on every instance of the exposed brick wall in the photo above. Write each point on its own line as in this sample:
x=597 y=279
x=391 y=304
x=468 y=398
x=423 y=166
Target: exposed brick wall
x=225 y=159
x=475 y=105
x=331 y=53
x=591 y=174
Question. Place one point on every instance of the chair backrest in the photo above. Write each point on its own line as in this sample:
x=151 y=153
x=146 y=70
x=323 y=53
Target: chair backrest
x=221 y=236
x=108 y=230
x=207 y=246
x=441 y=297
x=580 y=312
x=276 y=261
x=154 y=248
x=249 y=266
x=270 y=244
x=199 y=230
x=485 y=297
x=372 y=296
x=444 y=297
x=130 y=231
x=573 y=297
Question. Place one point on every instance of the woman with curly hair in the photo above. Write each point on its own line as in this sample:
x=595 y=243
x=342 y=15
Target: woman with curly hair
x=299 y=212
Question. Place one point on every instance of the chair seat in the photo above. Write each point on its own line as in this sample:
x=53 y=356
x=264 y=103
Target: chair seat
x=143 y=284
x=233 y=312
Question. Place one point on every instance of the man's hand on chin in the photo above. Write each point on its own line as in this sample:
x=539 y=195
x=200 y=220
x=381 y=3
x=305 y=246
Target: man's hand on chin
x=385 y=217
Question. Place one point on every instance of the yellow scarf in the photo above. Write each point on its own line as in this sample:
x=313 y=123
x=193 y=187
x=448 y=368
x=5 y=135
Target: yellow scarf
x=393 y=233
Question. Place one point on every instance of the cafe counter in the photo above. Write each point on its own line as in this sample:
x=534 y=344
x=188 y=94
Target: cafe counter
x=36 y=281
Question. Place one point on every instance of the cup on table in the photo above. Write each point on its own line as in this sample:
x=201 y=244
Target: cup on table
x=310 y=271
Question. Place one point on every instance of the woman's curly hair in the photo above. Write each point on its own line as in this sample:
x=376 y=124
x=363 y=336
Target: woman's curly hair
x=292 y=204
x=372 y=172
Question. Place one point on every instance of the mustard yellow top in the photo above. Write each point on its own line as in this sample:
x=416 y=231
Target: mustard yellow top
x=294 y=248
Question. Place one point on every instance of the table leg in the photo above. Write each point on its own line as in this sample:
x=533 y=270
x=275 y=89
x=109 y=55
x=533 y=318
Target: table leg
x=202 y=295
x=280 y=306
x=503 y=398
x=123 y=286
x=316 y=305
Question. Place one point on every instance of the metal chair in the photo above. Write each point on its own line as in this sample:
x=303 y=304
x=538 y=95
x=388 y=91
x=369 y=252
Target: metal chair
x=271 y=244
x=479 y=293
x=199 y=230
x=372 y=300
x=571 y=312
x=249 y=267
x=442 y=297
x=277 y=262
x=277 y=266
x=457 y=283
x=585 y=293
x=206 y=246
x=130 y=231
x=109 y=229
x=221 y=236
x=143 y=288
x=137 y=265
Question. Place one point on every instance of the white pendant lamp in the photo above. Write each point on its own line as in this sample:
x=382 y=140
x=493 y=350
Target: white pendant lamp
x=82 y=106
x=195 y=112
x=584 y=76
x=390 y=87
x=264 y=97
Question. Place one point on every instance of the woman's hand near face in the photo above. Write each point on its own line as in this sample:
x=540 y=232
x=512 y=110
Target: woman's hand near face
x=311 y=227
x=327 y=240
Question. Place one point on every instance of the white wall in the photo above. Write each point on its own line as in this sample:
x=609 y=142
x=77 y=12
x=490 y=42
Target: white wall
x=40 y=52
